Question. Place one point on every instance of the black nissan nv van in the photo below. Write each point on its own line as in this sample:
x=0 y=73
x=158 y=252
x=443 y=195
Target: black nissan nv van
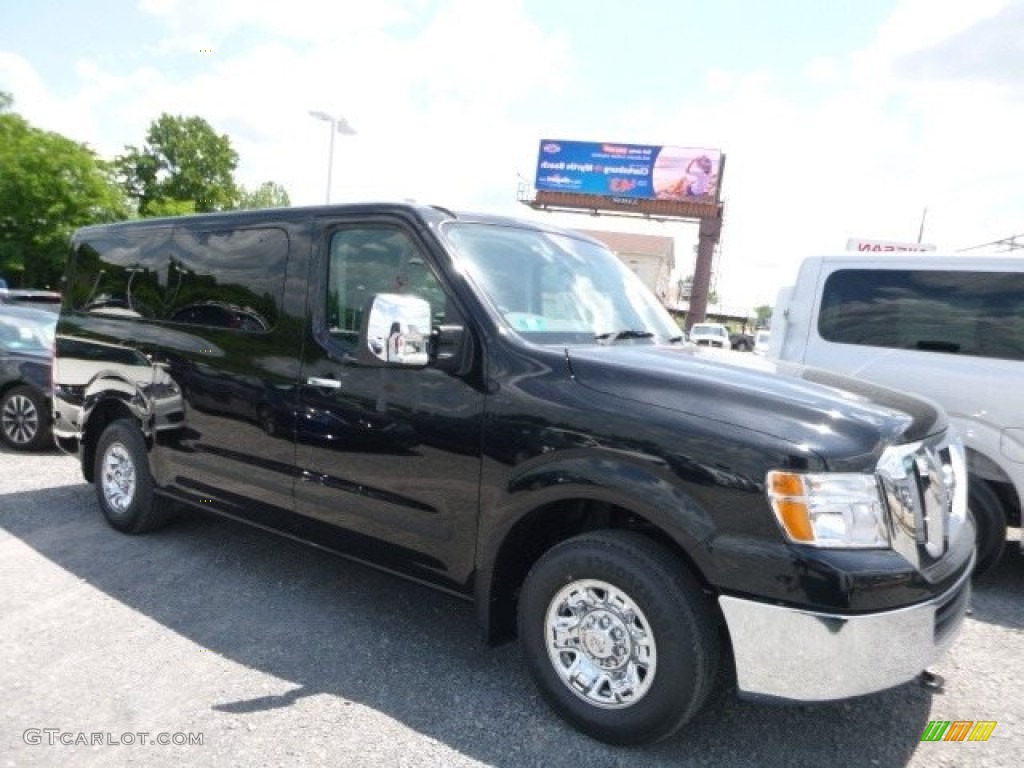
x=502 y=410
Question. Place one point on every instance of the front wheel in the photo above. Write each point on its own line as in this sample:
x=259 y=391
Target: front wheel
x=618 y=636
x=124 y=485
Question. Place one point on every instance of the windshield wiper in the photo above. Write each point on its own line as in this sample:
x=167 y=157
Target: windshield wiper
x=627 y=334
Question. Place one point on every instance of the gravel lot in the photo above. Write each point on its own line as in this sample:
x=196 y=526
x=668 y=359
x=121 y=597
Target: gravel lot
x=279 y=654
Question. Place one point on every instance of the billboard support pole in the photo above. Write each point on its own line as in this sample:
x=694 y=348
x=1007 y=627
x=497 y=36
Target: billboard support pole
x=707 y=239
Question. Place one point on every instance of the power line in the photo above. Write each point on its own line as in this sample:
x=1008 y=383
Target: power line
x=1012 y=243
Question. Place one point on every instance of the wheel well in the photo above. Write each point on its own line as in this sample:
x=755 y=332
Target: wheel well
x=981 y=467
x=4 y=388
x=542 y=529
x=103 y=414
x=1011 y=502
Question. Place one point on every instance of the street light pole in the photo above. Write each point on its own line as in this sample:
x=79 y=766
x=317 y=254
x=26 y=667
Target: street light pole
x=338 y=125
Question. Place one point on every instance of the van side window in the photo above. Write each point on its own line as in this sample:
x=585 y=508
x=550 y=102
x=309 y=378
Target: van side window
x=979 y=314
x=119 y=274
x=367 y=260
x=232 y=279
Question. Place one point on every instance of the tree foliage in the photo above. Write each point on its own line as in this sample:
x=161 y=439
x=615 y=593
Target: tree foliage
x=183 y=161
x=269 y=194
x=763 y=314
x=49 y=186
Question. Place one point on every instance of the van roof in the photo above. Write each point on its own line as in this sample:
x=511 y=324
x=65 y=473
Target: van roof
x=925 y=260
x=430 y=214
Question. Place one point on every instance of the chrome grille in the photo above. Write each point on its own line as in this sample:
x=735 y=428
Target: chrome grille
x=925 y=487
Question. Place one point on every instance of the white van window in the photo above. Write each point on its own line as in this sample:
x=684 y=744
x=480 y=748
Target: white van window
x=978 y=314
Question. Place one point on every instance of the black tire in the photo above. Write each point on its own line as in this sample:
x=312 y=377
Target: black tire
x=672 y=607
x=25 y=419
x=990 y=521
x=742 y=346
x=124 y=485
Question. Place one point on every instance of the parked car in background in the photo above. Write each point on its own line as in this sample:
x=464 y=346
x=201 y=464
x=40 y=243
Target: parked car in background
x=741 y=342
x=761 y=338
x=31 y=298
x=220 y=315
x=710 y=335
x=26 y=354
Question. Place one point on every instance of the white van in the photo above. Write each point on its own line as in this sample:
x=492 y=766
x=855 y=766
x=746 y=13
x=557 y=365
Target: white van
x=950 y=328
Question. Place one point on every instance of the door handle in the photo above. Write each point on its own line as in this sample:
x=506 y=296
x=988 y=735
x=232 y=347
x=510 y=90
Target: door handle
x=316 y=381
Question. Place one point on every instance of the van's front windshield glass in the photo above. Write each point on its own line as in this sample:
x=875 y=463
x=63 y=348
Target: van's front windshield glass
x=555 y=288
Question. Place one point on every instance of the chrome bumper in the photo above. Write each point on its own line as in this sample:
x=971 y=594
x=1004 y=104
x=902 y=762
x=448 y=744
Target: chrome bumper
x=798 y=655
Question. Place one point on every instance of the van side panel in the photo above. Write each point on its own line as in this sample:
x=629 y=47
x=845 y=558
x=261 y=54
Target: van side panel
x=797 y=314
x=191 y=328
x=239 y=379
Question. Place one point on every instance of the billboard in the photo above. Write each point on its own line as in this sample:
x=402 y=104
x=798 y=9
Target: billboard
x=885 y=246
x=629 y=171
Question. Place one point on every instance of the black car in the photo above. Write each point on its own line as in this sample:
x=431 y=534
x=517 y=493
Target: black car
x=26 y=354
x=37 y=299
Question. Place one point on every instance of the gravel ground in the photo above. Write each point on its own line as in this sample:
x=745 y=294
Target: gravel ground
x=279 y=654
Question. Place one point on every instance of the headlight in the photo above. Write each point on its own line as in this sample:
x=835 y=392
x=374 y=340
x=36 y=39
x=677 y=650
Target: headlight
x=830 y=509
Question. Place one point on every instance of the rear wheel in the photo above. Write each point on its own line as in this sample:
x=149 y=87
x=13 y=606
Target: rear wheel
x=124 y=485
x=24 y=419
x=619 y=637
x=990 y=521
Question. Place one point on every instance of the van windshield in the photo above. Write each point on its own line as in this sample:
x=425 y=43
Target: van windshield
x=558 y=289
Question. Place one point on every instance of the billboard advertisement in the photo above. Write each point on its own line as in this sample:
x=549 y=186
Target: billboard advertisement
x=644 y=171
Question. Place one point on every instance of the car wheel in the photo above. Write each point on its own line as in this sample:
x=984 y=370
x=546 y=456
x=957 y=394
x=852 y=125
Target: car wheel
x=124 y=485
x=743 y=346
x=990 y=521
x=618 y=636
x=24 y=419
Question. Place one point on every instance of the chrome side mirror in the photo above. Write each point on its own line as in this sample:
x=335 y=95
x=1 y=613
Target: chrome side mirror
x=396 y=330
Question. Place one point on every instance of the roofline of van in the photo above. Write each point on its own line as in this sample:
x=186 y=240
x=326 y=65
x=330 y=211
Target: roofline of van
x=432 y=214
x=932 y=258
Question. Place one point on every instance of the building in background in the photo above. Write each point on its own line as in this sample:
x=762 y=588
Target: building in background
x=651 y=257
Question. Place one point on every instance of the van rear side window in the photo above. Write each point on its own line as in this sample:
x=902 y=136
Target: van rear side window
x=225 y=279
x=978 y=314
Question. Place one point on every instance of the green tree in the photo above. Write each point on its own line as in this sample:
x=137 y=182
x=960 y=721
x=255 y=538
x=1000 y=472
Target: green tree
x=269 y=194
x=183 y=161
x=763 y=314
x=49 y=186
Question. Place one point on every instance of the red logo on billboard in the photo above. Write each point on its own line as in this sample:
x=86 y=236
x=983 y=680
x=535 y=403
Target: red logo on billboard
x=621 y=185
x=551 y=148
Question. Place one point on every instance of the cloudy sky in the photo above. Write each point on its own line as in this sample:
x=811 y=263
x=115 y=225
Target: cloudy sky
x=838 y=119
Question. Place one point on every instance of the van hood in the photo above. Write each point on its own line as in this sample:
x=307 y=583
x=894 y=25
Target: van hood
x=835 y=416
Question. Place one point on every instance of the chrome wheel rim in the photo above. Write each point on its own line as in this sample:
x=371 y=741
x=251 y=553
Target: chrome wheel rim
x=600 y=644
x=118 y=477
x=20 y=419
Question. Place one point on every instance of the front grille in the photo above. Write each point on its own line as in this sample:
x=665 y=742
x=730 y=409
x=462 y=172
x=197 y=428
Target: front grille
x=925 y=486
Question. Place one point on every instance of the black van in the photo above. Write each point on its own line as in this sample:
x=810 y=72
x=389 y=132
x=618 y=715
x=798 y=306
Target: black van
x=502 y=410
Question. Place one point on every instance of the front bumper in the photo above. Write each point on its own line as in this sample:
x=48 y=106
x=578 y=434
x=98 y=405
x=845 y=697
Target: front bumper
x=799 y=655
